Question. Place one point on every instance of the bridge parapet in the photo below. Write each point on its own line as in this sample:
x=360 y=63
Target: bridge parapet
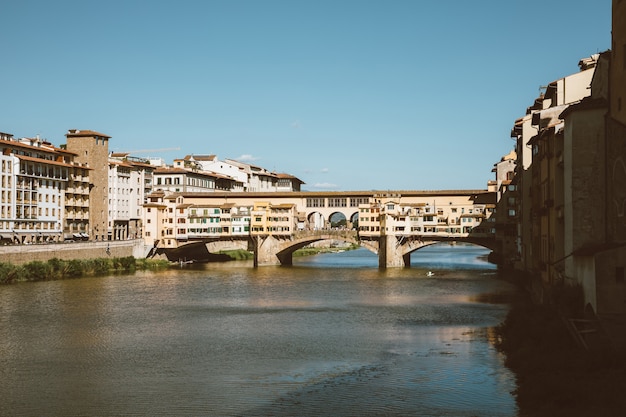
x=327 y=234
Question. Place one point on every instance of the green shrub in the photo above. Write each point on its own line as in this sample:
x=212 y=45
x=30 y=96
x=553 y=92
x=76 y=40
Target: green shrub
x=8 y=273
x=37 y=271
x=239 y=254
x=128 y=263
x=74 y=269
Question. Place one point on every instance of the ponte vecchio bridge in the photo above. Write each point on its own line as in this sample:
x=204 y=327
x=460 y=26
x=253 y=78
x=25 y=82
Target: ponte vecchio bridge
x=392 y=224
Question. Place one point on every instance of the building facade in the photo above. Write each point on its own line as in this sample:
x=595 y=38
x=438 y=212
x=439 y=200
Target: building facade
x=173 y=219
x=539 y=180
x=130 y=181
x=34 y=177
x=572 y=184
x=506 y=213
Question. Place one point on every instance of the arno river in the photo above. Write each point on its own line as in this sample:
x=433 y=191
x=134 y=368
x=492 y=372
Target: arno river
x=331 y=336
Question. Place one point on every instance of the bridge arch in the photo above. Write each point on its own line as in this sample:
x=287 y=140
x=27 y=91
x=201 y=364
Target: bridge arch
x=288 y=247
x=412 y=245
x=354 y=220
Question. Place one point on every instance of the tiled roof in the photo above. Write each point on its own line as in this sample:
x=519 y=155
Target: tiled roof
x=84 y=133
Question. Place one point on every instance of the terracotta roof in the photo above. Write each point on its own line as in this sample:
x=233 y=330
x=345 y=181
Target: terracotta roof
x=282 y=175
x=200 y=157
x=121 y=163
x=370 y=193
x=84 y=133
x=45 y=161
x=156 y=194
x=45 y=148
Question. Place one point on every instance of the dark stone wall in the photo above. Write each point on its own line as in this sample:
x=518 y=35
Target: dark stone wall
x=616 y=181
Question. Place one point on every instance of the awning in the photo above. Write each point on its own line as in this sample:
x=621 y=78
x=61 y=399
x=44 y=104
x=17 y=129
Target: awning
x=77 y=235
x=85 y=235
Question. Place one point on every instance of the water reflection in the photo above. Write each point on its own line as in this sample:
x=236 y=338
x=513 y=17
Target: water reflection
x=332 y=335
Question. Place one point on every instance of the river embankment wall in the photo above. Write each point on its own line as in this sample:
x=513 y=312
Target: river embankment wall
x=21 y=254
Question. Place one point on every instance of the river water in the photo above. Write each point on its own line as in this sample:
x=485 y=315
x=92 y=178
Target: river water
x=332 y=335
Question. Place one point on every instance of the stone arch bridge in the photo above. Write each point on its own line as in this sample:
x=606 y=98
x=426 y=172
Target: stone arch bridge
x=392 y=250
x=392 y=224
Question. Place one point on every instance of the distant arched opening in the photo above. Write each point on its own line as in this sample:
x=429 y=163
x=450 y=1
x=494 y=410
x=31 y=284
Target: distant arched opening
x=316 y=221
x=338 y=220
x=354 y=221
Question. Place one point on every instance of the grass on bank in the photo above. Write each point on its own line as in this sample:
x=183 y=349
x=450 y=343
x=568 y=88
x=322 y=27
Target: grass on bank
x=244 y=255
x=55 y=268
x=554 y=376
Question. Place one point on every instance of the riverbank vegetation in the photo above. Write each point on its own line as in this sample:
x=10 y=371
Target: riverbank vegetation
x=244 y=255
x=314 y=250
x=555 y=377
x=55 y=268
x=238 y=254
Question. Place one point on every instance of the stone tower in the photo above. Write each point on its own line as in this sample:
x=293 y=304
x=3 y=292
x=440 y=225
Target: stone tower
x=92 y=148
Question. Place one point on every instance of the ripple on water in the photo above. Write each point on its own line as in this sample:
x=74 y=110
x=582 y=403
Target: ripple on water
x=306 y=341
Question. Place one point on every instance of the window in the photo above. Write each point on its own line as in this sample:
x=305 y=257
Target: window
x=337 y=202
x=355 y=202
x=315 y=202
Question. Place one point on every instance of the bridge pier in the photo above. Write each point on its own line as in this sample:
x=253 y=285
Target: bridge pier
x=390 y=253
x=266 y=251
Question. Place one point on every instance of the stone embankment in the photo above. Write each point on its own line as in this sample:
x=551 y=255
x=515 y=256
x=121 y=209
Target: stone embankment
x=21 y=254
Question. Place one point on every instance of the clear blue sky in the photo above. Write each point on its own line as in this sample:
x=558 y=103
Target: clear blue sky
x=343 y=94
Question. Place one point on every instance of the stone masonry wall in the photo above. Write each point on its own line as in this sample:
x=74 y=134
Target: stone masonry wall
x=20 y=254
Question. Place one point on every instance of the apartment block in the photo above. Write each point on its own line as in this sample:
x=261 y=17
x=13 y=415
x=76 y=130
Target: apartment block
x=129 y=180
x=34 y=177
x=572 y=184
x=506 y=214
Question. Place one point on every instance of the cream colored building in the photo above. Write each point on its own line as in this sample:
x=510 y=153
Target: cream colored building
x=539 y=178
x=179 y=179
x=130 y=180
x=576 y=233
x=192 y=216
x=34 y=176
x=155 y=215
x=243 y=177
x=76 y=221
